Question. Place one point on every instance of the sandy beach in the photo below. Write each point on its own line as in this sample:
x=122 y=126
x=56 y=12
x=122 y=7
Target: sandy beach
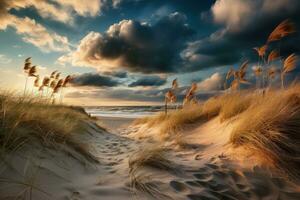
x=114 y=124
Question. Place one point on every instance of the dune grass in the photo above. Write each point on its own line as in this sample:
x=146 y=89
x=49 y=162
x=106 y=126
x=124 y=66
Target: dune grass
x=266 y=123
x=226 y=106
x=271 y=127
x=24 y=119
x=152 y=156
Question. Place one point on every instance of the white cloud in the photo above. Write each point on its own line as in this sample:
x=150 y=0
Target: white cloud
x=58 y=10
x=31 y=31
x=236 y=14
x=82 y=7
x=38 y=35
x=214 y=82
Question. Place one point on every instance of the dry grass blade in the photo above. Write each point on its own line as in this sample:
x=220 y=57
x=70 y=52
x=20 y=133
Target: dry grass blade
x=273 y=55
x=283 y=29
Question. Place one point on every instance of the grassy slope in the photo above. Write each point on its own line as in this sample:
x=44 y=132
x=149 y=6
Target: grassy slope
x=267 y=124
x=26 y=119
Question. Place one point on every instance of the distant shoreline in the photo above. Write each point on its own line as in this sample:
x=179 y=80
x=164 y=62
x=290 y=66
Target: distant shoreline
x=114 y=124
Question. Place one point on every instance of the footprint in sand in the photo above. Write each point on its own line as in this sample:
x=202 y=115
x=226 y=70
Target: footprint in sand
x=179 y=187
x=201 y=197
x=203 y=176
x=213 y=166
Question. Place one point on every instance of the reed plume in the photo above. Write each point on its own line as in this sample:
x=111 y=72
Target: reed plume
x=261 y=51
x=27 y=64
x=56 y=88
x=240 y=76
x=174 y=84
x=242 y=73
x=57 y=76
x=274 y=54
x=229 y=74
x=26 y=68
x=36 y=82
x=66 y=80
x=45 y=83
x=53 y=84
x=32 y=71
x=53 y=74
x=190 y=95
x=283 y=29
x=289 y=65
x=170 y=97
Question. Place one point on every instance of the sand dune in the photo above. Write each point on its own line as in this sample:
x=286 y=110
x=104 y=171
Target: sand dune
x=133 y=165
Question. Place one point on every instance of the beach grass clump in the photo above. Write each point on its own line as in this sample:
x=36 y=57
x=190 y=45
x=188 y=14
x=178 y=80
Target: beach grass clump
x=271 y=127
x=24 y=119
x=153 y=156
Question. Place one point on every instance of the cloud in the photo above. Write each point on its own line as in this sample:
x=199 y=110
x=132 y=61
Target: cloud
x=214 y=82
x=148 y=81
x=118 y=74
x=43 y=7
x=238 y=14
x=91 y=8
x=82 y=7
x=247 y=24
x=29 y=29
x=95 y=80
x=59 y=10
x=135 y=46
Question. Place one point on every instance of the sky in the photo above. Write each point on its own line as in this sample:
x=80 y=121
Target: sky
x=127 y=52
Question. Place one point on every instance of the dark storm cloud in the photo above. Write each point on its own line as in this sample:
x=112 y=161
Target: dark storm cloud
x=118 y=74
x=136 y=46
x=94 y=79
x=247 y=25
x=168 y=44
x=148 y=81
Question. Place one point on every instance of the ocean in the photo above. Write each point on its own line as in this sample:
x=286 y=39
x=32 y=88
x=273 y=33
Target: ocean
x=123 y=111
